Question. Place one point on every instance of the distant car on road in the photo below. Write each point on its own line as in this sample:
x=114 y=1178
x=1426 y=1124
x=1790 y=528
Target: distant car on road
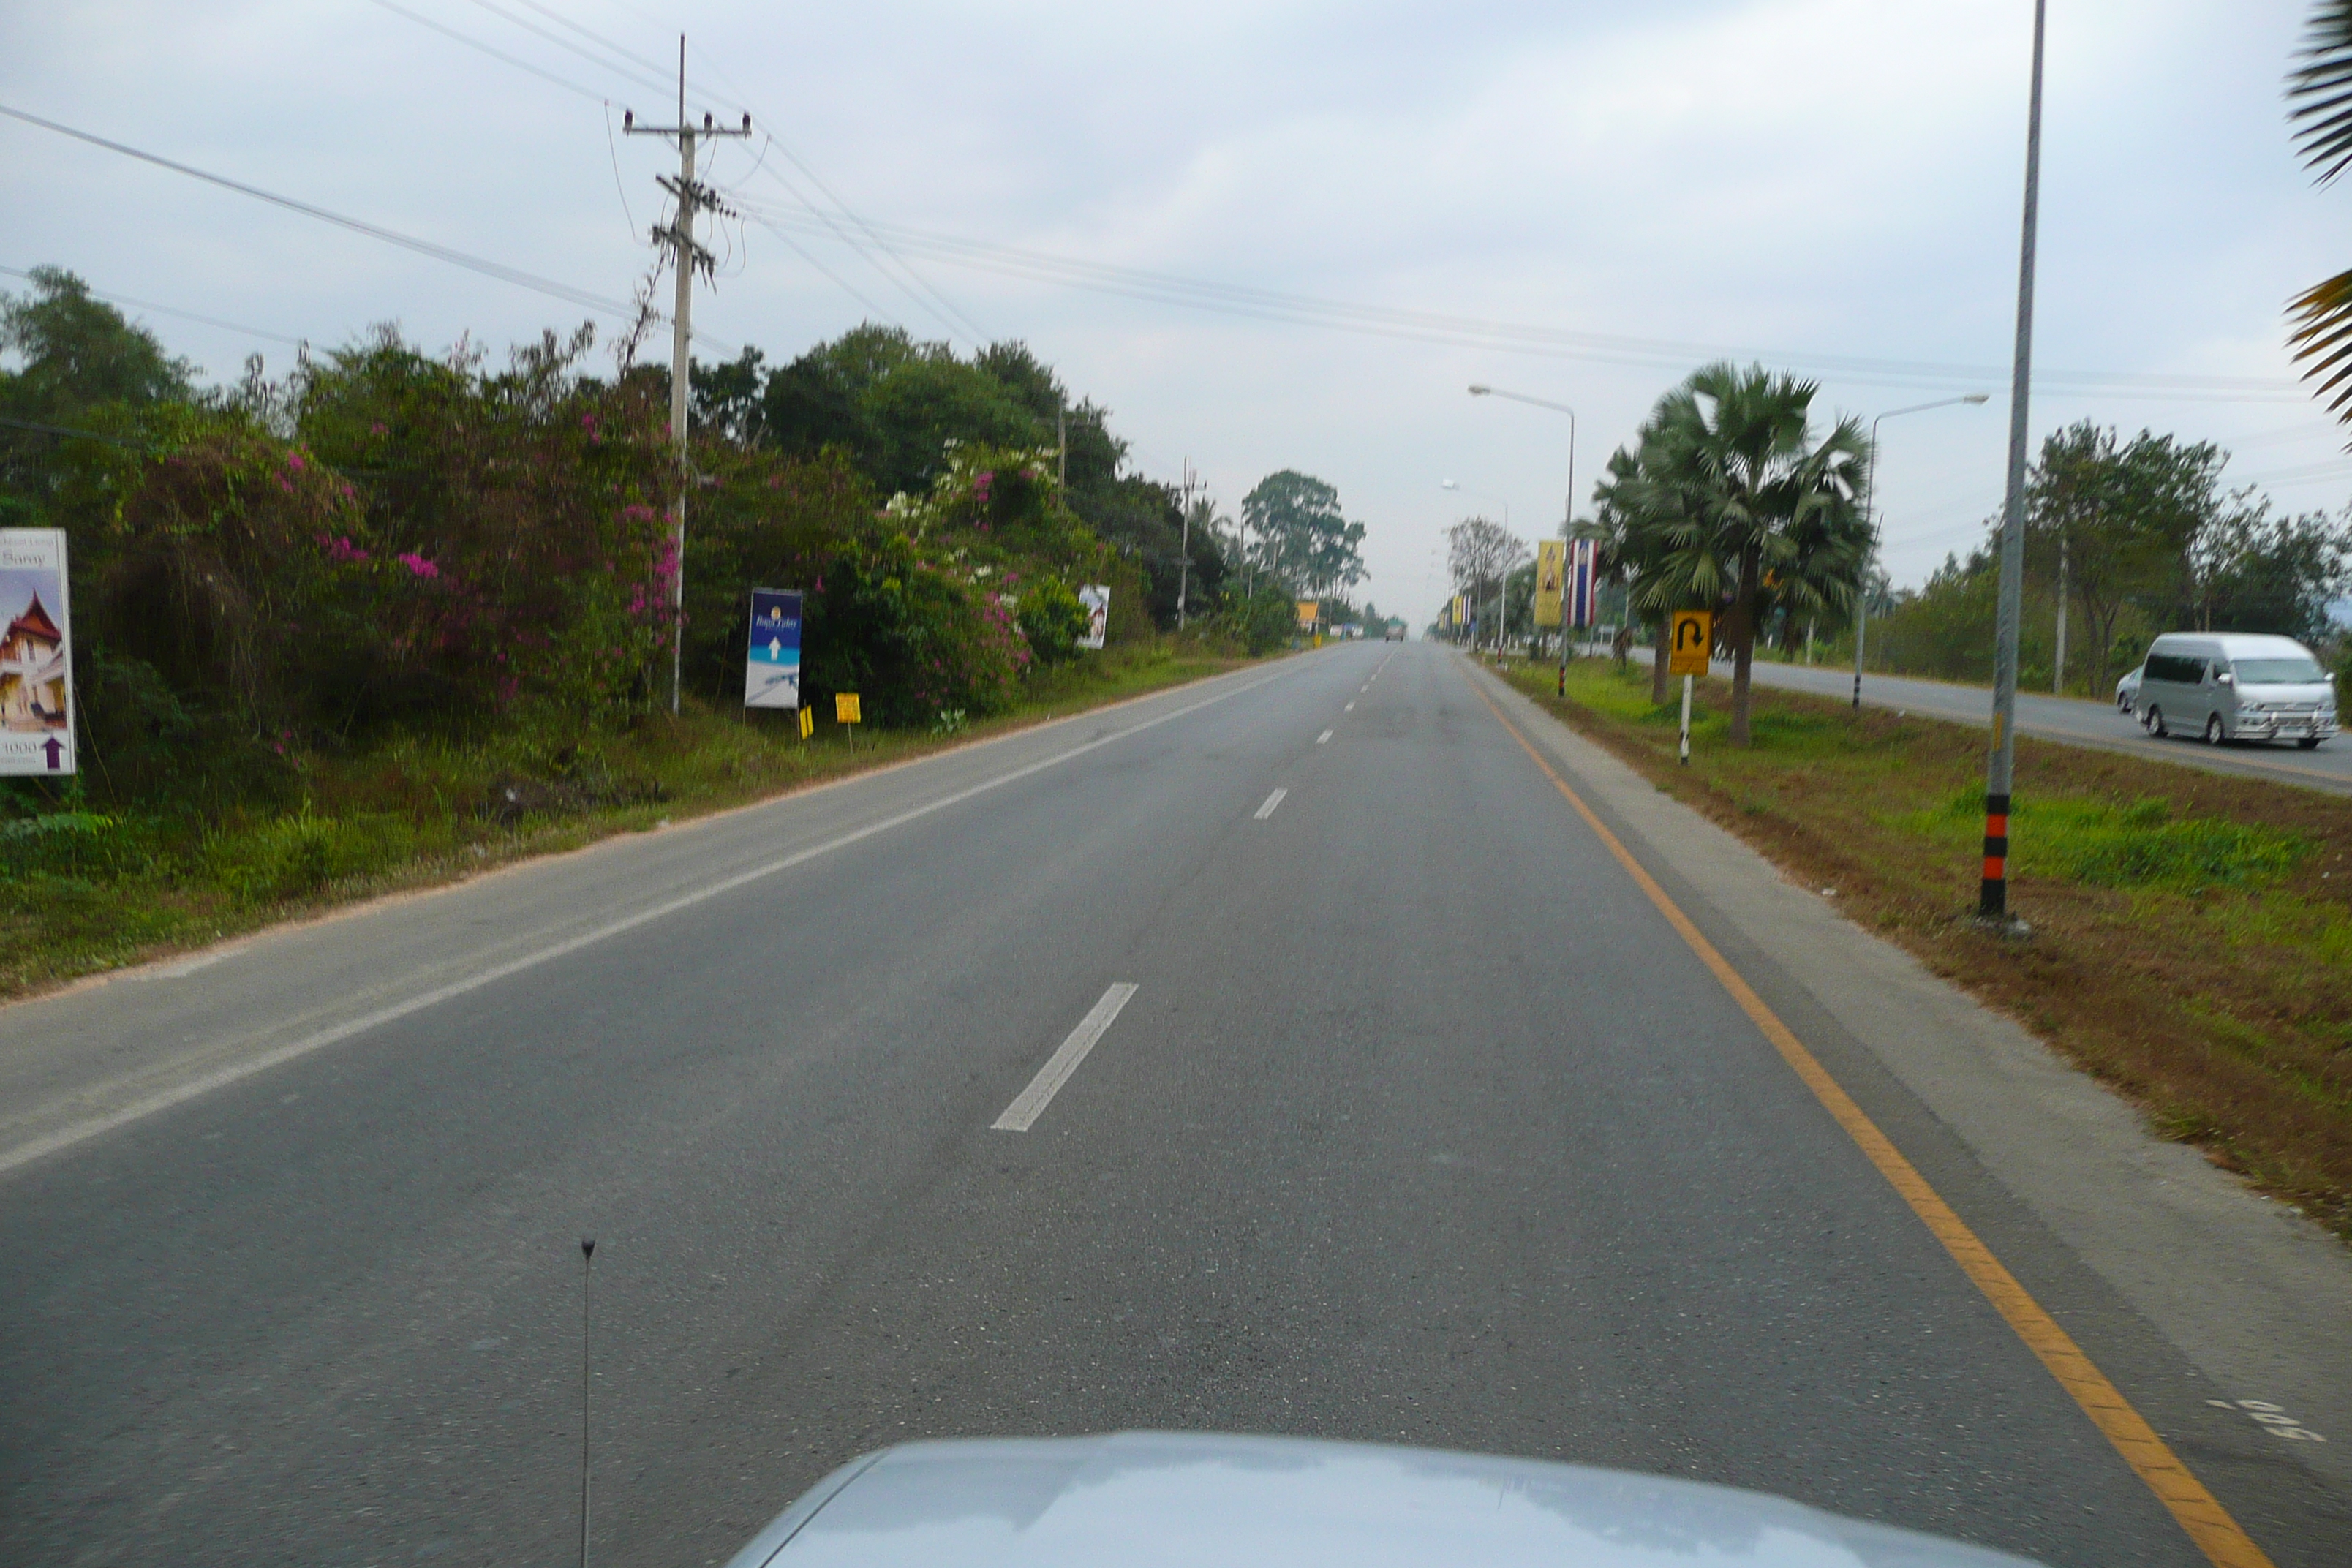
x=2128 y=690
x=2226 y=687
x=1396 y=632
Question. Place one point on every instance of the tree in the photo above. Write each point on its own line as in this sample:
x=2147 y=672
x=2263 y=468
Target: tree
x=1302 y=538
x=82 y=365
x=1479 y=553
x=2321 y=90
x=2129 y=516
x=1628 y=510
x=2254 y=573
x=1757 y=514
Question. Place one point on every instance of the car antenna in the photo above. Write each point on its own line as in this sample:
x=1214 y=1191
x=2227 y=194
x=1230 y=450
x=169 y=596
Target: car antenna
x=587 y=1279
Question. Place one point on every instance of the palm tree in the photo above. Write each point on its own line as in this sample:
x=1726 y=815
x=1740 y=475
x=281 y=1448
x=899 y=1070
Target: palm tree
x=1746 y=511
x=1630 y=509
x=2321 y=90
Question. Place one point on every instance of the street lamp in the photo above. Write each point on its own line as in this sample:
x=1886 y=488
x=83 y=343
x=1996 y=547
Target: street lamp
x=1568 y=516
x=1869 y=502
x=1502 y=577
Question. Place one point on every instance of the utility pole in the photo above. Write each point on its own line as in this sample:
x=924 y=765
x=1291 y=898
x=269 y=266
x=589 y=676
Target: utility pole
x=2000 y=764
x=1184 y=568
x=685 y=256
x=2058 y=680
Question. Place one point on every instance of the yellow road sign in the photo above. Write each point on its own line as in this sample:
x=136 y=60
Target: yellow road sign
x=808 y=722
x=1690 y=634
x=1551 y=577
x=1309 y=612
x=844 y=707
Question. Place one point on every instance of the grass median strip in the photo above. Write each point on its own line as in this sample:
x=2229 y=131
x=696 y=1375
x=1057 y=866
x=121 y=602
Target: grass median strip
x=2193 y=932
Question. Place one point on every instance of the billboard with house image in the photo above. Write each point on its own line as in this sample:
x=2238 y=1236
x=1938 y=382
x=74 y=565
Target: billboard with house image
x=36 y=654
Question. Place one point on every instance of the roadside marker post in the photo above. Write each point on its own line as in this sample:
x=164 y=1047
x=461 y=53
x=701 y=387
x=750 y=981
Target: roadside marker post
x=808 y=722
x=1693 y=635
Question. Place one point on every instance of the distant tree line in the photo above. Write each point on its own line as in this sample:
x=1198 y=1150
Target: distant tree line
x=2145 y=540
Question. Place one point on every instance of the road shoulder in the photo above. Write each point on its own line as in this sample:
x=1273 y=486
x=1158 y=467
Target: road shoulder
x=2255 y=1300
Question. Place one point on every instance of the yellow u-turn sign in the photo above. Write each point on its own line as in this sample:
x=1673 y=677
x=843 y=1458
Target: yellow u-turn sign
x=1689 y=635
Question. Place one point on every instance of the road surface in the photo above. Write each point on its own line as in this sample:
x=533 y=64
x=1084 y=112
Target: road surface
x=2328 y=766
x=1284 y=1053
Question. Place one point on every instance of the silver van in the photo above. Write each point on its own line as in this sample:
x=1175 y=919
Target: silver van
x=2227 y=687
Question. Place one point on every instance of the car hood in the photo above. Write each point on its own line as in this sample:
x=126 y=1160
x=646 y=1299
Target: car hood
x=1148 y=1499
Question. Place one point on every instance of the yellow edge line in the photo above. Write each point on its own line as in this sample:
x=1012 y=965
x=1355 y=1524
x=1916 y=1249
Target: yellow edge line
x=2208 y=1524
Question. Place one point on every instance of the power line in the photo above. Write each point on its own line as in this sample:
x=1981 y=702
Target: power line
x=637 y=69
x=802 y=252
x=500 y=270
x=980 y=336
x=174 y=310
x=497 y=54
x=1460 y=331
x=953 y=325
x=955 y=328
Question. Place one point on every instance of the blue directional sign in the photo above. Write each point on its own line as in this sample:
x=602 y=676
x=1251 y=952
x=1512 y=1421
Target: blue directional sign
x=771 y=673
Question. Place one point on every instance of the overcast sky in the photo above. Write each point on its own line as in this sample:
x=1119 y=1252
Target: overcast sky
x=1816 y=182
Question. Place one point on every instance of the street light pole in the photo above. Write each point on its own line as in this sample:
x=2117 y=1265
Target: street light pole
x=2001 y=765
x=1869 y=519
x=1568 y=516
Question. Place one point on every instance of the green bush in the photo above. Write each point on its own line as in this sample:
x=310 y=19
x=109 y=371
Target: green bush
x=1052 y=620
x=298 y=857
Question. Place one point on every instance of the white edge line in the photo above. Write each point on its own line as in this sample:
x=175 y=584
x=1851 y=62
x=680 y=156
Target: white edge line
x=179 y=1094
x=1271 y=802
x=1031 y=1103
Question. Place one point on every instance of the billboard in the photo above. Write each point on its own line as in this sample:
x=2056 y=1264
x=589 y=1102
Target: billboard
x=1551 y=563
x=36 y=733
x=1309 y=611
x=771 y=667
x=1096 y=598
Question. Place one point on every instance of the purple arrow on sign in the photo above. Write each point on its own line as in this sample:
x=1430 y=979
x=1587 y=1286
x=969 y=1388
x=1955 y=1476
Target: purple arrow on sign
x=55 y=748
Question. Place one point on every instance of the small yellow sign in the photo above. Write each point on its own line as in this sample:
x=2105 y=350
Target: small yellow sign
x=1551 y=578
x=1309 y=612
x=844 y=707
x=808 y=722
x=1690 y=634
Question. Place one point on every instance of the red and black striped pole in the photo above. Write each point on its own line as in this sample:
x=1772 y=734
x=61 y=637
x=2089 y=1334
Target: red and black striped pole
x=1992 y=901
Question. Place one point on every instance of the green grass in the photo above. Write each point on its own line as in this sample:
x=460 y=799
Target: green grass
x=2115 y=843
x=86 y=891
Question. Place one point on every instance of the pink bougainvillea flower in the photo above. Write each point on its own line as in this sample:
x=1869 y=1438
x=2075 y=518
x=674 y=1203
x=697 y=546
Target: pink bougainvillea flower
x=377 y=429
x=294 y=461
x=417 y=566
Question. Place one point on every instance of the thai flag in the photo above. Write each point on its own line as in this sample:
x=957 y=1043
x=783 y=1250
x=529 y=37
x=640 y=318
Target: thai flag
x=1583 y=581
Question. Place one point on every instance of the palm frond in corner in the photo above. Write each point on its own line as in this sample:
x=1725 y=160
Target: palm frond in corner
x=2320 y=88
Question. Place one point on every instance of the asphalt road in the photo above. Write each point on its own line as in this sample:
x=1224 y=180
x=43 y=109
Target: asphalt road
x=2328 y=766
x=1420 y=1123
